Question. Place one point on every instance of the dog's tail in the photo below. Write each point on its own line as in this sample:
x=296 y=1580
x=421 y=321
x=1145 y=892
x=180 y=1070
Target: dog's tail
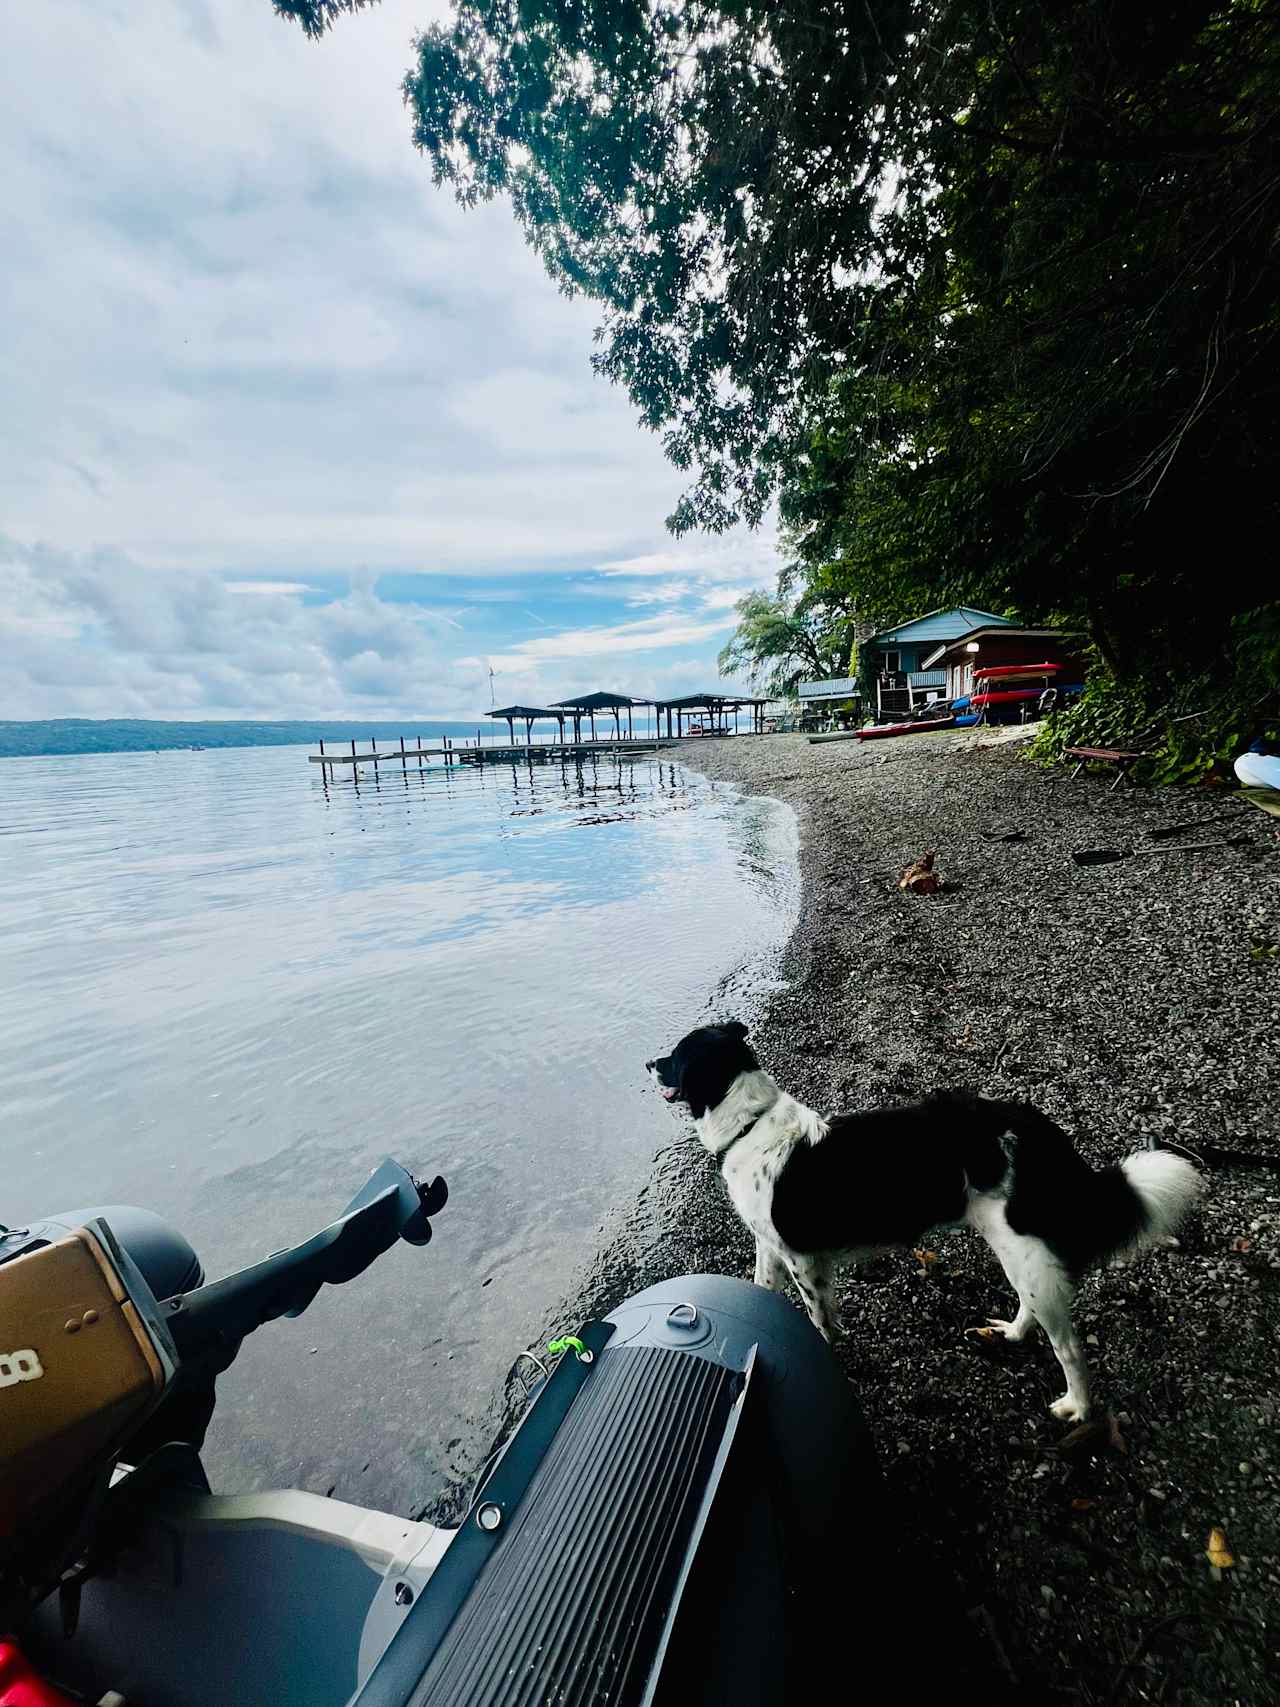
x=1167 y=1187
x=1097 y=1213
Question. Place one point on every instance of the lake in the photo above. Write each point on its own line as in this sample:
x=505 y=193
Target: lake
x=229 y=989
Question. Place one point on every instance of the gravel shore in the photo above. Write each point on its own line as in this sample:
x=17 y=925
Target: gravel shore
x=1131 y=1000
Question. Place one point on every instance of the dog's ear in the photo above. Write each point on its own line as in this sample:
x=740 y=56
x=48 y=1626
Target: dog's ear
x=711 y=1067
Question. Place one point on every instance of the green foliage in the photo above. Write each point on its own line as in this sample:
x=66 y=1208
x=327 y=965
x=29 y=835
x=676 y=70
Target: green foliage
x=66 y=735
x=1015 y=255
x=317 y=16
x=1192 y=726
x=778 y=644
x=709 y=173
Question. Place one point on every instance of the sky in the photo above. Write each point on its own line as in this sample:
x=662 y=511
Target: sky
x=283 y=431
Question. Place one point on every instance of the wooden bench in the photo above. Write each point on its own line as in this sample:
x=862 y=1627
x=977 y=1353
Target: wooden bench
x=1104 y=756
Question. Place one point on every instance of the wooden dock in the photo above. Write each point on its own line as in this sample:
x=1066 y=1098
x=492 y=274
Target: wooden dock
x=454 y=752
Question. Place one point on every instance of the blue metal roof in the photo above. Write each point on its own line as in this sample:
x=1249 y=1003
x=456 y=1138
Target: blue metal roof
x=829 y=689
x=939 y=626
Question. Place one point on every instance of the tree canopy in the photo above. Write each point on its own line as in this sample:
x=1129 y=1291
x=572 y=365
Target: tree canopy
x=982 y=293
x=317 y=16
x=778 y=644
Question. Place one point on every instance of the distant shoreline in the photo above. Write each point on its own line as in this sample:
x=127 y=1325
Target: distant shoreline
x=72 y=737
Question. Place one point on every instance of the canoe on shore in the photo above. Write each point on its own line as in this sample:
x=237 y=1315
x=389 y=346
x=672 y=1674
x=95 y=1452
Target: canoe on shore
x=879 y=731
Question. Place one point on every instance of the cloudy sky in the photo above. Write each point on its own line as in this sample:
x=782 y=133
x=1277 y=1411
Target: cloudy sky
x=283 y=431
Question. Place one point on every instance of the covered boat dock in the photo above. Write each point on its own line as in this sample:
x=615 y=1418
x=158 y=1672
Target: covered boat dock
x=689 y=715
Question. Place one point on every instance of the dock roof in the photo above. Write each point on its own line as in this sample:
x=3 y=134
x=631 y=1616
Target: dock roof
x=709 y=701
x=597 y=702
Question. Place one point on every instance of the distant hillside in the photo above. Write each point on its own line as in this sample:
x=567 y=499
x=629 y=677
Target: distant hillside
x=61 y=735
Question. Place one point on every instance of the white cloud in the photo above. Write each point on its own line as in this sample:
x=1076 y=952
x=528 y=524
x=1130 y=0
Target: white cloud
x=268 y=589
x=740 y=558
x=665 y=593
x=248 y=333
x=100 y=635
x=720 y=598
x=253 y=348
x=653 y=634
x=622 y=657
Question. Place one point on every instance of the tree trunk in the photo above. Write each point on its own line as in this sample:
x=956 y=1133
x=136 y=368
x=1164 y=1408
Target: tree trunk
x=1101 y=635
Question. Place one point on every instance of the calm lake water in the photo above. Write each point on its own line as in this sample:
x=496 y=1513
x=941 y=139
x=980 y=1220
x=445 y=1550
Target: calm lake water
x=228 y=990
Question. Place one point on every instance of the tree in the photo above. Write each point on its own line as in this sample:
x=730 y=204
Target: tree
x=777 y=644
x=317 y=16
x=984 y=291
x=708 y=173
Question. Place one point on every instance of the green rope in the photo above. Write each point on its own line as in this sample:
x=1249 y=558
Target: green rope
x=570 y=1342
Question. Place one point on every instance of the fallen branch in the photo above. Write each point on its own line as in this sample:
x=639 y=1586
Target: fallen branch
x=979 y=1615
x=1219 y=1157
x=1144 y=1646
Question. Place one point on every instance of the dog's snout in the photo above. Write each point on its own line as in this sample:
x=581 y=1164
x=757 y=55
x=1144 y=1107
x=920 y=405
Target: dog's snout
x=649 y=1066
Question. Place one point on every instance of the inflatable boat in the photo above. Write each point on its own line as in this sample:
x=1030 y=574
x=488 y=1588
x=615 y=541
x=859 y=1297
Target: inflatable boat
x=1258 y=770
x=687 y=1513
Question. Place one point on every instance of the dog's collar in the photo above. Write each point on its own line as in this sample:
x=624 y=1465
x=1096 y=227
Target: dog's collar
x=737 y=1139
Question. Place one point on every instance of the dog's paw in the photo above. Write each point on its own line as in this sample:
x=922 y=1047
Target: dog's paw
x=1068 y=1411
x=998 y=1328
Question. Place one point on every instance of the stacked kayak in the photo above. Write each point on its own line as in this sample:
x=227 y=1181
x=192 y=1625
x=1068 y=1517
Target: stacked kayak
x=1002 y=696
x=1010 y=684
x=1006 y=674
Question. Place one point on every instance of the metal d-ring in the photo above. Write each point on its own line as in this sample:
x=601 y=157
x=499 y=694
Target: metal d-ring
x=538 y=1364
x=682 y=1315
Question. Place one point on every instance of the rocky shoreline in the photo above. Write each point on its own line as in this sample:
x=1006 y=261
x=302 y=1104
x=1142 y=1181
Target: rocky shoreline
x=1131 y=1000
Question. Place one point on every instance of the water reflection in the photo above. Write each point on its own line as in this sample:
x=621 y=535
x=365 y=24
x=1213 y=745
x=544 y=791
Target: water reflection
x=254 y=982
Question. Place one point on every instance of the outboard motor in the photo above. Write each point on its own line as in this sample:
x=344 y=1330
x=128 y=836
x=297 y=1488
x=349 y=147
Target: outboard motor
x=100 y=1372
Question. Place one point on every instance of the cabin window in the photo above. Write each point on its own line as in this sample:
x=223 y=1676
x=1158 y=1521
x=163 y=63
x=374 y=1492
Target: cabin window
x=892 y=662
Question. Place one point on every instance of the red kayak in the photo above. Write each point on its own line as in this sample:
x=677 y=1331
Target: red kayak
x=1003 y=672
x=879 y=730
x=1005 y=696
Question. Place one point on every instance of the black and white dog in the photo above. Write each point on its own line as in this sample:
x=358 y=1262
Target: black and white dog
x=817 y=1193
